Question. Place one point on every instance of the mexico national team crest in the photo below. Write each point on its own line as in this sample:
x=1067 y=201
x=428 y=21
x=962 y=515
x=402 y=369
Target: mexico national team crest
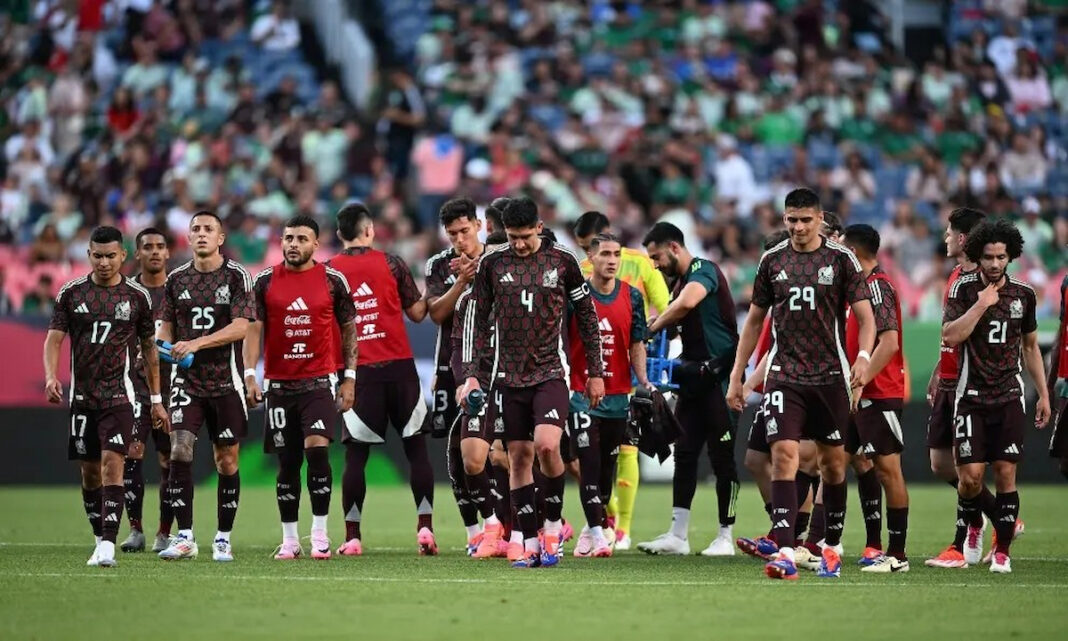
x=498 y=425
x=771 y=427
x=439 y=422
x=279 y=439
x=1016 y=309
x=122 y=311
x=472 y=424
x=176 y=416
x=583 y=439
x=551 y=278
x=825 y=276
x=79 y=446
x=222 y=295
x=965 y=449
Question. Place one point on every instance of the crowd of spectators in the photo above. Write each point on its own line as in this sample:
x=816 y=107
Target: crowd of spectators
x=701 y=112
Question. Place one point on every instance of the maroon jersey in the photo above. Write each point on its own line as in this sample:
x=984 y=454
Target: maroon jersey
x=990 y=371
x=1062 y=363
x=463 y=343
x=165 y=368
x=949 y=360
x=439 y=278
x=809 y=292
x=101 y=323
x=528 y=297
x=300 y=311
x=201 y=303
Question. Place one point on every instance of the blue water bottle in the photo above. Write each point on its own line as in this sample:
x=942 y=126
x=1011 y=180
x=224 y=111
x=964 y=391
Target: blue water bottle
x=475 y=400
x=165 y=353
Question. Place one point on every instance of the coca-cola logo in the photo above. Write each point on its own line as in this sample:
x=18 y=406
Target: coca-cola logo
x=370 y=303
x=303 y=319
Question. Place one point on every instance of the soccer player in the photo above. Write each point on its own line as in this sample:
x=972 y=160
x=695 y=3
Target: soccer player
x=636 y=270
x=1058 y=372
x=992 y=317
x=526 y=286
x=967 y=545
x=879 y=398
x=493 y=215
x=151 y=253
x=388 y=392
x=299 y=304
x=596 y=434
x=807 y=282
x=703 y=309
x=207 y=306
x=102 y=312
x=448 y=275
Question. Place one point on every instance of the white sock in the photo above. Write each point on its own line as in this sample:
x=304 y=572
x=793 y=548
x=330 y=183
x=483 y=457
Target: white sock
x=319 y=522
x=680 y=522
x=597 y=533
x=517 y=537
x=492 y=520
x=472 y=531
x=224 y=536
x=553 y=527
x=188 y=534
x=788 y=553
x=531 y=545
x=98 y=539
x=289 y=531
x=726 y=531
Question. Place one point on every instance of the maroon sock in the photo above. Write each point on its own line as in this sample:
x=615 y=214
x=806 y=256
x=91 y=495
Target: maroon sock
x=554 y=497
x=478 y=488
x=967 y=512
x=502 y=494
x=871 y=507
x=539 y=492
x=1005 y=525
x=287 y=484
x=783 y=512
x=834 y=502
x=133 y=480
x=228 y=495
x=458 y=482
x=91 y=501
x=988 y=504
x=897 y=529
x=320 y=479
x=111 y=514
x=817 y=528
x=166 y=514
x=801 y=525
x=354 y=487
x=421 y=477
x=181 y=487
x=523 y=501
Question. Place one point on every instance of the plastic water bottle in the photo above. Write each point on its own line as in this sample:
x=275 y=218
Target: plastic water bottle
x=475 y=400
x=165 y=353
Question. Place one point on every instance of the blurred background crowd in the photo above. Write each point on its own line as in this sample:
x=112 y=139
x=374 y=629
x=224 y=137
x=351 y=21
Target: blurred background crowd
x=701 y=112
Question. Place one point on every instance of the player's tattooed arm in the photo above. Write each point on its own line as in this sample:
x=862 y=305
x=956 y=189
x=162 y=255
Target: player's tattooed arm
x=349 y=347
x=53 y=343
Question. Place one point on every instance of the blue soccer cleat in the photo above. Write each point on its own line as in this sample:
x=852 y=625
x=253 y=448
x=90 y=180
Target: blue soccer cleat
x=781 y=567
x=762 y=548
x=830 y=564
x=531 y=560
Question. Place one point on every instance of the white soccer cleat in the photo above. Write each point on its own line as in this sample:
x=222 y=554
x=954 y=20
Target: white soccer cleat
x=180 y=548
x=584 y=545
x=135 y=542
x=162 y=542
x=804 y=559
x=94 y=559
x=665 y=544
x=105 y=553
x=221 y=551
x=1001 y=564
x=885 y=565
x=973 y=544
x=623 y=543
x=720 y=546
x=289 y=550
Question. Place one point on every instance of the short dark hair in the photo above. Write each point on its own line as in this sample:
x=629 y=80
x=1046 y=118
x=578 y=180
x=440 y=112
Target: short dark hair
x=352 y=220
x=456 y=209
x=497 y=238
x=520 y=213
x=964 y=219
x=803 y=198
x=774 y=238
x=832 y=222
x=998 y=230
x=592 y=222
x=604 y=237
x=496 y=210
x=548 y=234
x=206 y=212
x=863 y=237
x=105 y=234
x=302 y=220
x=151 y=231
x=664 y=233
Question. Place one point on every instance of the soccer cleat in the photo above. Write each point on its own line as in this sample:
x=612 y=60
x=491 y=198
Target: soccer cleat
x=551 y=550
x=806 y=560
x=1001 y=564
x=950 y=557
x=602 y=549
x=289 y=550
x=610 y=536
x=352 y=547
x=472 y=544
x=489 y=543
x=528 y=561
x=623 y=541
x=105 y=554
x=584 y=546
x=781 y=567
x=180 y=548
x=884 y=564
x=320 y=545
x=667 y=544
x=135 y=542
x=1019 y=529
x=720 y=546
x=221 y=551
x=163 y=541
x=427 y=545
x=566 y=532
x=870 y=556
x=973 y=543
x=763 y=547
x=94 y=558
x=830 y=564
x=515 y=552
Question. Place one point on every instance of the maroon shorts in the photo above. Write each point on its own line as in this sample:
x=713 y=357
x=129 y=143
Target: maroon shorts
x=524 y=408
x=758 y=437
x=1058 y=441
x=142 y=411
x=291 y=418
x=877 y=427
x=988 y=433
x=95 y=430
x=796 y=412
x=380 y=405
x=940 y=422
x=444 y=411
x=226 y=416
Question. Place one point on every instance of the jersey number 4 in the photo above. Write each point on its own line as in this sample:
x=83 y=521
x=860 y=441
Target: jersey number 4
x=526 y=299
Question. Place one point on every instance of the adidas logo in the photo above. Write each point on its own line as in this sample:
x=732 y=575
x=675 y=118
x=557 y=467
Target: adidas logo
x=869 y=449
x=322 y=490
x=874 y=516
x=185 y=295
x=286 y=497
x=129 y=496
x=508 y=278
x=364 y=290
x=112 y=518
x=116 y=440
x=82 y=309
x=526 y=509
x=834 y=436
x=725 y=438
x=781 y=276
x=781 y=524
x=92 y=516
x=553 y=499
x=298 y=305
x=553 y=414
x=177 y=503
x=232 y=505
x=227 y=433
x=318 y=425
x=604 y=325
x=1012 y=449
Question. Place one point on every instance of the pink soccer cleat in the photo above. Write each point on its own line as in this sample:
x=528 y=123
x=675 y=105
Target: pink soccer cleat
x=427 y=545
x=320 y=545
x=289 y=550
x=352 y=547
x=489 y=545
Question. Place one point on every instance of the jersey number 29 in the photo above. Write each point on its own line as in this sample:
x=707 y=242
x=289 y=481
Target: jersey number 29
x=799 y=296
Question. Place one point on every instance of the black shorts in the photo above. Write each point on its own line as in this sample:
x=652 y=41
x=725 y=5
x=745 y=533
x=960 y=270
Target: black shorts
x=988 y=433
x=940 y=422
x=524 y=408
x=758 y=438
x=226 y=416
x=632 y=434
x=380 y=405
x=142 y=411
x=877 y=428
x=796 y=412
x=95 y=430
x=1058 y=441
x=291 y=418
x=445 y=409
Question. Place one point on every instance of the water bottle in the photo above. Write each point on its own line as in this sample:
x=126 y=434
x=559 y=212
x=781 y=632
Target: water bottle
x=165 y=353
x=475 y=400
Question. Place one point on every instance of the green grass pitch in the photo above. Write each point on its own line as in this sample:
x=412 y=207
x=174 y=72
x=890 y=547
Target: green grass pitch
x=47 y=592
